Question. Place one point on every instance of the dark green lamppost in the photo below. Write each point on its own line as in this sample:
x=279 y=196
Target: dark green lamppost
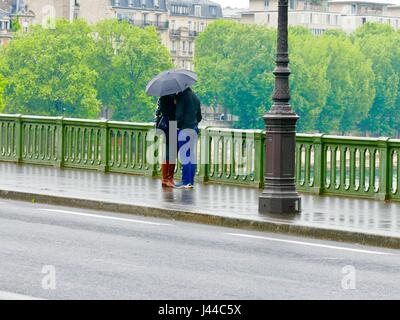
x=280 y=195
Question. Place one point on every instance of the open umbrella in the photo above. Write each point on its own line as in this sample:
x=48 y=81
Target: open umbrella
x=171 y=82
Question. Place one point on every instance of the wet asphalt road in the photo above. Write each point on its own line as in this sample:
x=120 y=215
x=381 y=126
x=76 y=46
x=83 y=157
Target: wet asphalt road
x=98 y=255
x=335 y=213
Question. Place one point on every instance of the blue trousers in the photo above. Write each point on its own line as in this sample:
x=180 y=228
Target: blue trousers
x=188 y=167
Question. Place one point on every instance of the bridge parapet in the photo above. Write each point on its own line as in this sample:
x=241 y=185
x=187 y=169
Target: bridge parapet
x=325 y=164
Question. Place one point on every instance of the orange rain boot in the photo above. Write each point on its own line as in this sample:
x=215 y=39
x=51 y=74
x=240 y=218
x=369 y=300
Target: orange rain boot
x=165 y=174
x=171 y=173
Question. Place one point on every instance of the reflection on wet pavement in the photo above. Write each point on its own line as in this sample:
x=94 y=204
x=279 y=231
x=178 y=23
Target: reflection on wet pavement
x=323 y=211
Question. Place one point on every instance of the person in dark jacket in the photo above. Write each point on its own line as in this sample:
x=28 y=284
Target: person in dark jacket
x=166 y=112
x=188 y=116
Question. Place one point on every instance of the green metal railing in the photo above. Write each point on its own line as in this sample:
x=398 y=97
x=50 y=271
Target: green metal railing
x=349 y=166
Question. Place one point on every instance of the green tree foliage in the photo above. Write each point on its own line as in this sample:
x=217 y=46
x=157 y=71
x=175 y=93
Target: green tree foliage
x=381 y=44
x=309 y=83
x=47 y=72
x=340 y=83
x=74 y=69
x=372 y=29
x=2 y=85
x=332 y=82
x=235 y=64
x=127 y=58
x=2 y=80
x=351 y=90
x=16 y=26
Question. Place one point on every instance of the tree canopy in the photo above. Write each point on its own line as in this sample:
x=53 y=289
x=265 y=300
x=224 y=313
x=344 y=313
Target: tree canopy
x=47 y=71
x=75 y=69
x=127 y=58
x=381 y=44
x=235 y=63
x=339 y=84
x=2 y=85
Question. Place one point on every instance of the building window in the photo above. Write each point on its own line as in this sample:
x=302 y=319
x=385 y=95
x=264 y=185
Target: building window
x=213 y=10
x=266 y=5
x=197 y=11
x=353 y=9
x=130 y=3
x=292 y=4
x=173 y=48
x=156 y=3
x=178 y=9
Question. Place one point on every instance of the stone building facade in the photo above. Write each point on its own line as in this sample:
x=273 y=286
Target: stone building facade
x=346 y=15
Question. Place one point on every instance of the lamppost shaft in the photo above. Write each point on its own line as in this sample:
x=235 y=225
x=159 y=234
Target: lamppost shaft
x=280 y=195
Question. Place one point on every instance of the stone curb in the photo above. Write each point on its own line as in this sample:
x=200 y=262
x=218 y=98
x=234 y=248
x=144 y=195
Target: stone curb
x=210 y=219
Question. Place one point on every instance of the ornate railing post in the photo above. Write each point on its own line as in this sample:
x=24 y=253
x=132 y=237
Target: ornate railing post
x=151 y=168
x=280 y=195
x=384 y=163
x=319 y=176
x=18 y=138
x=205 y=148
x=59 y=144
x=104 y=156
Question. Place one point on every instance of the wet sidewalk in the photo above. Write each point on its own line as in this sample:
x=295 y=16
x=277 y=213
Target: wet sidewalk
x=324 y=212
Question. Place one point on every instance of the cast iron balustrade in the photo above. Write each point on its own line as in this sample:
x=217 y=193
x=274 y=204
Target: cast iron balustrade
x=336 y=165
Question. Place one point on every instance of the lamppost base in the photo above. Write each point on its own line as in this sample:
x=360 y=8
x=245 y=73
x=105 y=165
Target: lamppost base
x=283 y=203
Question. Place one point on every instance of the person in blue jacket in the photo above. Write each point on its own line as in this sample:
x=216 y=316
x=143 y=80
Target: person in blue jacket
x=188 y=117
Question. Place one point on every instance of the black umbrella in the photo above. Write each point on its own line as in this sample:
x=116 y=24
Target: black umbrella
x=171 y=82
